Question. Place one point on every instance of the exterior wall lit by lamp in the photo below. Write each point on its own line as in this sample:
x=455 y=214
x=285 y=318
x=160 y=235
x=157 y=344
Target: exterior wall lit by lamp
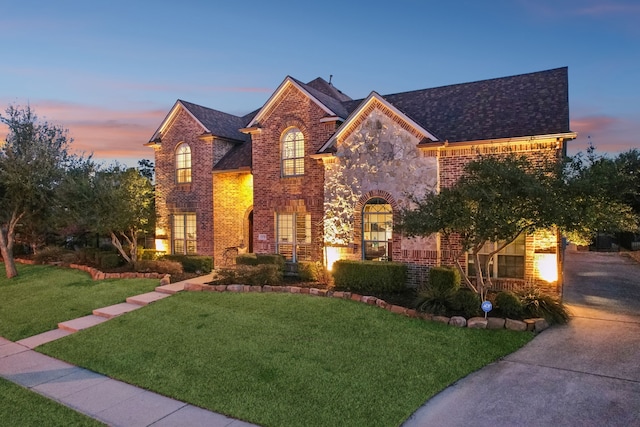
x=332 y=254
x=161 y=242
x=546 y=266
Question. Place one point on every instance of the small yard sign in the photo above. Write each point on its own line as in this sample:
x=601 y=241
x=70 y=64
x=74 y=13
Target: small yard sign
x=486 y=307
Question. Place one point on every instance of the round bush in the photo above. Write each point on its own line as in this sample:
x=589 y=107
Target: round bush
x=509 y=305
x=466 y=303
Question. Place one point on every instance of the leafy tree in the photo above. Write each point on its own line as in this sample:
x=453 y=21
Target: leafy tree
x=499 y=198
x=32 y=163
x=496 y=200
x=123 y=207
x=147 y=169
x=600 y=194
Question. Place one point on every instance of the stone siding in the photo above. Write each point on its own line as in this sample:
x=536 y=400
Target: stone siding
x=379 y=158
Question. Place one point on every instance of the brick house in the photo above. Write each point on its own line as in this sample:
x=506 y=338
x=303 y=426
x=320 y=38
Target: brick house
x=317 y=176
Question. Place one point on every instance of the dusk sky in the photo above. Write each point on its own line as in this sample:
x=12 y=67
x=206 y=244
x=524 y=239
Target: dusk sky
x=110 y=71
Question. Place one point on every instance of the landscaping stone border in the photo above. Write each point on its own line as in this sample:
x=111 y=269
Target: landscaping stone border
x=99 y=275
x=533 y=325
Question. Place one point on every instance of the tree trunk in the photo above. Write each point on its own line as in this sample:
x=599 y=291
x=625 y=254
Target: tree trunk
x=133 y=246
x=116 y=242
x=6 y=249
x=479 y=275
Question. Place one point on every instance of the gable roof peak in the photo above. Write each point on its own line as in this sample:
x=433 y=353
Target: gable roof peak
x=329 y=89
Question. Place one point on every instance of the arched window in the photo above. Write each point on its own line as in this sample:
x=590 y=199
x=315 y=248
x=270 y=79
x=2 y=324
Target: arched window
x=377 y=230
x=292 y=154
x=183 y=163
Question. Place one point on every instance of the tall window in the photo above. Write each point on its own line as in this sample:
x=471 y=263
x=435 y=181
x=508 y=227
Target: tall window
x=508 y=263
x=184 y=234
x=292 y=153
x=183 y=164
x=377 y=230
x=293 y=234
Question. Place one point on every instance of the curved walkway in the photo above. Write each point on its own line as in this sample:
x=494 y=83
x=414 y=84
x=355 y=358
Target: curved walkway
x=105 y=399
x=585 y=373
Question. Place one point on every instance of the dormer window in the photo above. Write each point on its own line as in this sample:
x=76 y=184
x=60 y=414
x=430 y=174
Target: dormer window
x=183 y=164
x=292 y=153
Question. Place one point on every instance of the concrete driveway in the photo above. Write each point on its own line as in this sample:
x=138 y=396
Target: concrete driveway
x=586 y=373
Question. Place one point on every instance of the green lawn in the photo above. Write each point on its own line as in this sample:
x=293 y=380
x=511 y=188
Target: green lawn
x=42 y=296
x=21 y=407
x=285 y=359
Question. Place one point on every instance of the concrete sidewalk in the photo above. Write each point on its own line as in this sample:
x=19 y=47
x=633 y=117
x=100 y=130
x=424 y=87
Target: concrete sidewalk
x=107 y=400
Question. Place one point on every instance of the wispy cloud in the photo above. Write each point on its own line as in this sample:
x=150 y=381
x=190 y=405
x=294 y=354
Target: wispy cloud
x=608 y=134
x=108 y=134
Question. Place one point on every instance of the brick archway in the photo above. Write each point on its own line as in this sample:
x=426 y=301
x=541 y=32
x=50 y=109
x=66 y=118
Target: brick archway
x=357 y=223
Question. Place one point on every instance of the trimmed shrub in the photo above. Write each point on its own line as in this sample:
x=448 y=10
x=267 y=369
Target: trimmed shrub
x=509 y=305
x=444 y=279
x=225 y=276
x=311 y=271
x=263 y=274
x=255 y=275
x=150 y=254
x=369 y=276
x=192 y=263
x=275 y=259
x=247 y=259
x=159 y=266
x=109 y=260
x=465 y=303
x=537 y=304
x=261 y=259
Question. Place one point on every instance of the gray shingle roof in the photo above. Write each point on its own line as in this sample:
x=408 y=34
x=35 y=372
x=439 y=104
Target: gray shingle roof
x=219 y=124
x=333 y=104
x=239 y=157
x=523 y=105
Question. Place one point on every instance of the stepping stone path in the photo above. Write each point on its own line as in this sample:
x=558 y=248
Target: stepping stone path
x=101 y=315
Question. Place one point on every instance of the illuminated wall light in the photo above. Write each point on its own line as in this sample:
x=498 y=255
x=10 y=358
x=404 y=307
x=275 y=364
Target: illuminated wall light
x=162 y=245
x=332 y=254
x=547 y=267
x=161 y=241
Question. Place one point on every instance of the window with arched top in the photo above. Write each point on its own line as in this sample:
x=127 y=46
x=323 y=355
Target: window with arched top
x=183 y=164
x=377 y=230
x=292 y=153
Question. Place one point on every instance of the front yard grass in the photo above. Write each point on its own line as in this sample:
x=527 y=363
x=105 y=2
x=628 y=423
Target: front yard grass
x=42 y=296
x=285 y=359
x=22 y=407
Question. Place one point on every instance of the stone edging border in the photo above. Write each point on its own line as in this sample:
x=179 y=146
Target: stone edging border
x=99 y=275
x=534 y=325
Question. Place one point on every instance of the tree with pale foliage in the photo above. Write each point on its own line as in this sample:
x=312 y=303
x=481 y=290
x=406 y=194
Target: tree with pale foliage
x=32 y=163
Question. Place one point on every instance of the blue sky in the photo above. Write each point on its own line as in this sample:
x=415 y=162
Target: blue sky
x=110 y=71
